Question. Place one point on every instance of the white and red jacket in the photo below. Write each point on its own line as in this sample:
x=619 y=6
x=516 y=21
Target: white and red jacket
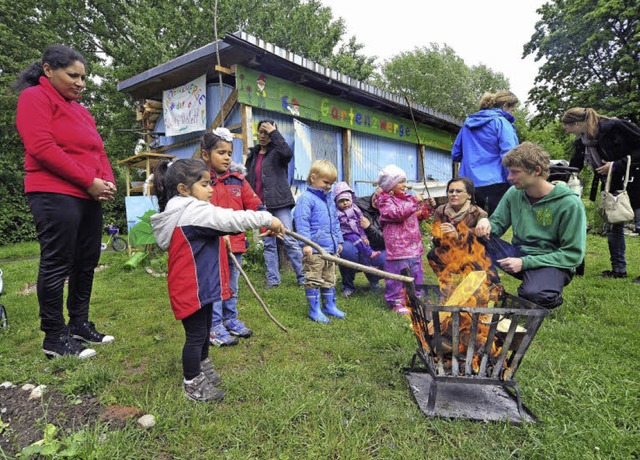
x=63 y=149
x=191 y=230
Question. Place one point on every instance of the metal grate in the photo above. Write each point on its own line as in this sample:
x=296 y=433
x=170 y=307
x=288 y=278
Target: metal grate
x=440 y=351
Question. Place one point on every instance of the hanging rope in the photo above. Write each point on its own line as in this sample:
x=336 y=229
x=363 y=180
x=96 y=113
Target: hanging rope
x=215 y=34
x=415 y=127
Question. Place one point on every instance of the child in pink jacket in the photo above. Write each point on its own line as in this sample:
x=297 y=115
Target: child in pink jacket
x=400 y=215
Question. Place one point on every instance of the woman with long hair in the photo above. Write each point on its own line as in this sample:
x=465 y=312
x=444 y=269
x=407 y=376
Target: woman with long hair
x=604 y=144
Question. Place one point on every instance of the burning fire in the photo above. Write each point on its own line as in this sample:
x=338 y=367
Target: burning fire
x=466 y=279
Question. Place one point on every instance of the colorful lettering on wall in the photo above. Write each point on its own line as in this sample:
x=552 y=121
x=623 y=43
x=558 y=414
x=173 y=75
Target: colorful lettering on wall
x=185 y=108
x=268 y=92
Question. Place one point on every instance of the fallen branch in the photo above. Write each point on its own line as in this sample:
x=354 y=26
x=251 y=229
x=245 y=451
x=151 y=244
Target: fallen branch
x=255 y=293
x=347 y=263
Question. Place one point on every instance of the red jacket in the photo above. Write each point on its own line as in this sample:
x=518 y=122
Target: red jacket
x=63 y=150
x=231 y=190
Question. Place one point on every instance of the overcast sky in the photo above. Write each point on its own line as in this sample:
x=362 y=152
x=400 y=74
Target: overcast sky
x=490 y=32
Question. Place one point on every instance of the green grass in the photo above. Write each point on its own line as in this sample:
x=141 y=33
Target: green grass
x=334 y=391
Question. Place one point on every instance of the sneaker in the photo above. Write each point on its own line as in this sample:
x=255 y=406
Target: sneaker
x=220 y=337
x=401 y=310
x=65 y=345
x=237 y=328
x=268 y=286
x=346 y=293
x=206 y=367
x=613 y=274
x=375 y=254
x=200 y=389
x=637 y=280
x=87 y=333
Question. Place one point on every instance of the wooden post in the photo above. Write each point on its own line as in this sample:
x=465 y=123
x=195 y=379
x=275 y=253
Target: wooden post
x=346 y=155
x=246 y=116
x=421 y=165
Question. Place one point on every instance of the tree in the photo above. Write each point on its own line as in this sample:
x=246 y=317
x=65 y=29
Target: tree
x=591 y=50
x=122 y=38
x=439 y=79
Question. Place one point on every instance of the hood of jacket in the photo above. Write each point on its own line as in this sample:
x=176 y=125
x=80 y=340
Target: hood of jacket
x=481 y=118
x=164 y=223
x=342 y=190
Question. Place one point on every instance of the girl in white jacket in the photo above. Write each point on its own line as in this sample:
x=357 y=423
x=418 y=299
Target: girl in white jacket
x=190 y=227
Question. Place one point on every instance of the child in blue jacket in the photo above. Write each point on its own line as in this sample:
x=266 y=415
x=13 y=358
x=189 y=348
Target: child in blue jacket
x=316 y=218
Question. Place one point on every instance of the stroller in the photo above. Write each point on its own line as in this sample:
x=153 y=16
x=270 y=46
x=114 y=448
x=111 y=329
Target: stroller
x=560 y=171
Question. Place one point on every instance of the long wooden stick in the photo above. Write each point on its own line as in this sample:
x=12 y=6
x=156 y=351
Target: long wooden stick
x=253 y=291
x=347 y=263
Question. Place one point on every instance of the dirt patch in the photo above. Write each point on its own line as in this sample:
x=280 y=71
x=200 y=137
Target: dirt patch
x=23 y=419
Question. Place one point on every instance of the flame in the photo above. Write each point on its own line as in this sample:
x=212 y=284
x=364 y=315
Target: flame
x=466 y=279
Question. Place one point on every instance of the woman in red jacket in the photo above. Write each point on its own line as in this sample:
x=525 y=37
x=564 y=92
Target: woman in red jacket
x=67 y=177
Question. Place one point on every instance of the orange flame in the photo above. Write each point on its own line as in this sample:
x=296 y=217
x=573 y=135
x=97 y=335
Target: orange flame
x=466 y=279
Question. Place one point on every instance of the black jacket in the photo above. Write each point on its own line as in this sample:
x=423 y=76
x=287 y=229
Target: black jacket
x=374 y=233
x=275 y=168
x=616 y=139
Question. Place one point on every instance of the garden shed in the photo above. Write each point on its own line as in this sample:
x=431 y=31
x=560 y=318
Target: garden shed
x=322 y=114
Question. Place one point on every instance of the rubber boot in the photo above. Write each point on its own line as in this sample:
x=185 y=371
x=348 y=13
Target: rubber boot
x=329 y=303
x=313 y=297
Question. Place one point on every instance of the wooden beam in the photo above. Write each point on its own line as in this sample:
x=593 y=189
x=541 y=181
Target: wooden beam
x=421 y=165
x=225 y=70
x=228 y=105
x=346 y=155
x=246 y=116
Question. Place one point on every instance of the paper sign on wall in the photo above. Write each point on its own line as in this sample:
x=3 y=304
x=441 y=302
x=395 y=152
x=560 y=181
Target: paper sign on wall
x=185 y=107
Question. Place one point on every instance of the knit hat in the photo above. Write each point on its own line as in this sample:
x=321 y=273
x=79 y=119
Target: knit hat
x=390 y=176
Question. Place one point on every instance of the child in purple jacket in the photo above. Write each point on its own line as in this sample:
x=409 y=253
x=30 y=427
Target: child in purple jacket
x=400 y=214
x=349 y=215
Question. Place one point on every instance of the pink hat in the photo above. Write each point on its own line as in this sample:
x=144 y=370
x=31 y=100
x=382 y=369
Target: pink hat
x=390 y=176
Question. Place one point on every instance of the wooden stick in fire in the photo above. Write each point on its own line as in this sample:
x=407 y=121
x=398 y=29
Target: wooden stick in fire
x=253 y=291
x=347 y=263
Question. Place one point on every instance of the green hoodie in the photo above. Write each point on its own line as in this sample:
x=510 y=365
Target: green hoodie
x=551 y=232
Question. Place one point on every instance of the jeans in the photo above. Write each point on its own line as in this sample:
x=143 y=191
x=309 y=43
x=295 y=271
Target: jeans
x=226 y=310
x=637 y=219
x=294 y=252
x=617 y=247
x=69 y=231
x=542 y=286
x=350 y=253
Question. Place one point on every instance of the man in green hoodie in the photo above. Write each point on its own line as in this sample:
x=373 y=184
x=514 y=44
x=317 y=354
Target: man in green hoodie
x=549 y=228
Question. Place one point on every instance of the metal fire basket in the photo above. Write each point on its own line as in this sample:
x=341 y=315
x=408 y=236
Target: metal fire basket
x=452 y=375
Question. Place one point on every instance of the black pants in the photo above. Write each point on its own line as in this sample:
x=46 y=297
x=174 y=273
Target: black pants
x=542 y=286
x=69 y=231
x=196 y=343
x=489 y=196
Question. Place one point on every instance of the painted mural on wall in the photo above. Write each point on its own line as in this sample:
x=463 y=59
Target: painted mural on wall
x=258 y=89
x=184 y=108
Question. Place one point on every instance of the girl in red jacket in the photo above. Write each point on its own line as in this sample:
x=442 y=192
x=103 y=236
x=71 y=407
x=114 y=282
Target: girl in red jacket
x=230 y=190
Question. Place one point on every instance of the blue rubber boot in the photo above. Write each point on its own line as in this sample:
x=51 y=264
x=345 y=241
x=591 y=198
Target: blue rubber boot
x=313 y=297
x=329 y=303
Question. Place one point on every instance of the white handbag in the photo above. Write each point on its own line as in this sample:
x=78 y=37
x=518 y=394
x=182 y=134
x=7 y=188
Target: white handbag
x=616 y=209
